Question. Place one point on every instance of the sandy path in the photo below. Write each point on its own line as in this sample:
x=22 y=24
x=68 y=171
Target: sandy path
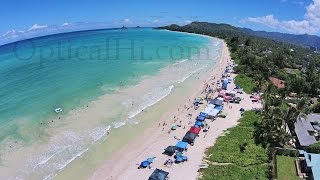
x=123 y=165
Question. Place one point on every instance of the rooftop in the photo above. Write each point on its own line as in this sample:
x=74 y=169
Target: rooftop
x=303 y=127
x=312 y=161
x=277 y=82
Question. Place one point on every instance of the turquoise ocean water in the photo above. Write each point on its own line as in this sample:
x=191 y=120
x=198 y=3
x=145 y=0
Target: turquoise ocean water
x=71 y=69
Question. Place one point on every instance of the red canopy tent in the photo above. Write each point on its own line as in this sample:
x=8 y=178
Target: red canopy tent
x=195 y=130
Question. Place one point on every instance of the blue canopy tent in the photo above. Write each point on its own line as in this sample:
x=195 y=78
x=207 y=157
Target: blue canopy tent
x=159 y=175
x=180 y=157
x=198 y=123
x=214 y=113
x=216 y=102
x=201 y=118
x=203 y=114
x=225 y=84
x=218 y=107
x=182 y=145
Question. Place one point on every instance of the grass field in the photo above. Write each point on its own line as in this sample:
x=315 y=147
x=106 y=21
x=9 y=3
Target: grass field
x=286 y=169
x=250 y=163
x=245 y=82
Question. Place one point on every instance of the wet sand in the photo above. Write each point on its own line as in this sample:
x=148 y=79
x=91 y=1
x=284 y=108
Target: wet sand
x=124 y=163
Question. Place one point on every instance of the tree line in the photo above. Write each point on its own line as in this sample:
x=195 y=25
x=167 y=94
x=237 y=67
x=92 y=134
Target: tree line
x=261 y=58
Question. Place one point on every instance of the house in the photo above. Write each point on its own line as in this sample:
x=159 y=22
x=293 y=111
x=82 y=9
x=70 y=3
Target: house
x=277 y=82
x=307 y=129
x=308 y=165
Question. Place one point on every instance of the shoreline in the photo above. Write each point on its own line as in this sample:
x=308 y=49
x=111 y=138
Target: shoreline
x=122 y=165
x=75 y=133
x=119 y=137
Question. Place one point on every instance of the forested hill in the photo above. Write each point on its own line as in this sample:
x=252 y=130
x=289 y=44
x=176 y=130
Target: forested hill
x=309 y=41
x=305 y=40
x=261 y=58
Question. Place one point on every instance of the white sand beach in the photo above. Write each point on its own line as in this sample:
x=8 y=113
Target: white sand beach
x=123 y=164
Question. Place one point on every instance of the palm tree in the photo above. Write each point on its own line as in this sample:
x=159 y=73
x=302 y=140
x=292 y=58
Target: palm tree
x=274 y=130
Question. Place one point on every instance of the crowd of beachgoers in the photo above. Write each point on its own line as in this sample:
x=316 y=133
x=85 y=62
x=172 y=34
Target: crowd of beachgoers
x=174 y=148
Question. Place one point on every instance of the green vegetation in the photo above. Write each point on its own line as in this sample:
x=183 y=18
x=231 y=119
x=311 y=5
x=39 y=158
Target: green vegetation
x=248 y=160
x=245 y=82
x=234 y=172
x=261 y=58
x=286 y=169
x=314 y=148
x=258 y=59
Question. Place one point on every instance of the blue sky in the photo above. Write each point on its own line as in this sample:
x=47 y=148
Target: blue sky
x=32 y=17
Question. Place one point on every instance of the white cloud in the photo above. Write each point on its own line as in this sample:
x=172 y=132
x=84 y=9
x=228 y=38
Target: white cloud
x=188 y=21
x=310 y=24
x=268 y=20
x=155 y=21
x=11 y=32
x=37 y=27
x=313 y=13
x=65 y=24
x=127 y=21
